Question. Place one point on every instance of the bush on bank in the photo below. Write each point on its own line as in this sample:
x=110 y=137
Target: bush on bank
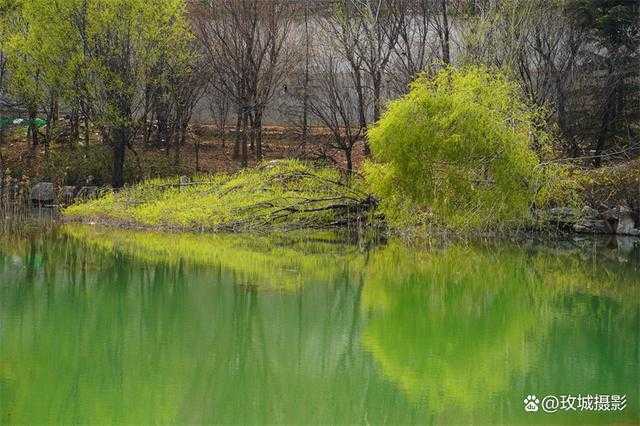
x=457 y=151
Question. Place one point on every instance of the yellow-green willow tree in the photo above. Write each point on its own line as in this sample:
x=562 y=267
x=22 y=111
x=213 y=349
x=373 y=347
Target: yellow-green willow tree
x=457 y=150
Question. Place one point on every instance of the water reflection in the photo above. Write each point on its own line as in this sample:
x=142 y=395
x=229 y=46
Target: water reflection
x=465 y=331
x=102 y=326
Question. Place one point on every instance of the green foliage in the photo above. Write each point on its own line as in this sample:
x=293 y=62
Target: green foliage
x=457 y=151
x=44 y=50
x=560 y=188
x=73 y=165
x=98 y=57
x=284 y=194
x=126 y=39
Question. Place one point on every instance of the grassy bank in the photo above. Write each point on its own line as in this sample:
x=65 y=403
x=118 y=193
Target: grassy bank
x=276 y=195
x=289 y=194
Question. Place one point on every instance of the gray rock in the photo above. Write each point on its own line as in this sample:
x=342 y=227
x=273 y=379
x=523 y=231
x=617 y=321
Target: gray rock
x=563 y=215
x=88 y=192
x=589 y=213
x=42 y=193
x=184 y=182
x=626 y=222
x=68 y=194
x=625 y=244
x=562 y=212
x=592 y=226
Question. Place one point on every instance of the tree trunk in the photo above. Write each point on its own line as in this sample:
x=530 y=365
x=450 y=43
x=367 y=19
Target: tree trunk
x=52 y=119
x=608 y=115
x=119 y=148
x=349 y=156
x=162 y=132
x=243 y=137
x=87 y=131
x=197 y=149
x=446 y=51
x=32 y=130
x=258 y=135
x=252 y=136
x=74 y=124
x=377 y=89
x=176 y=151
x=561 y=106
x=238 y=141
x=147 y=130
x=362 y=117
x=181 y=138
x=55 y=114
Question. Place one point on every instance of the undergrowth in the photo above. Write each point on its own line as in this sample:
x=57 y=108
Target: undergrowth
x=276 y=195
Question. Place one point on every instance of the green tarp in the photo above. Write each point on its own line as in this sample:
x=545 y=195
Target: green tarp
x=6 y=122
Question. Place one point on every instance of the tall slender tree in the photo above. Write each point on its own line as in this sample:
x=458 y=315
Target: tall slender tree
x=247 y=45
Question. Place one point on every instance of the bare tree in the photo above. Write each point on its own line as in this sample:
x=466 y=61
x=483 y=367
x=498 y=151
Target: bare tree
x=539 y=45
x=246 y=45
x=305 y=81
x=416 y=50
x=220 y=108
x=334 y=102
x=380 y=24
x=342 y=31
x=443 y=29
x=187 y=84
x=548 y=66
x=365 y=34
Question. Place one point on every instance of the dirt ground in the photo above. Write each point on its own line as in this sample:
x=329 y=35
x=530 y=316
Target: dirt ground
x=215 y=151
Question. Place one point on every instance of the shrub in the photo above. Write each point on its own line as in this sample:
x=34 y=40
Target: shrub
x=74 y=165
x=457 y=151
x=612 y=186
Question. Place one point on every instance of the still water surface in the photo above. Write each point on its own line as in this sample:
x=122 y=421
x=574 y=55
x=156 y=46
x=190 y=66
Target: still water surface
x=102 y=326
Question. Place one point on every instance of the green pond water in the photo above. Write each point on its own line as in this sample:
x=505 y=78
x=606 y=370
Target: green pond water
x=109 y=327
